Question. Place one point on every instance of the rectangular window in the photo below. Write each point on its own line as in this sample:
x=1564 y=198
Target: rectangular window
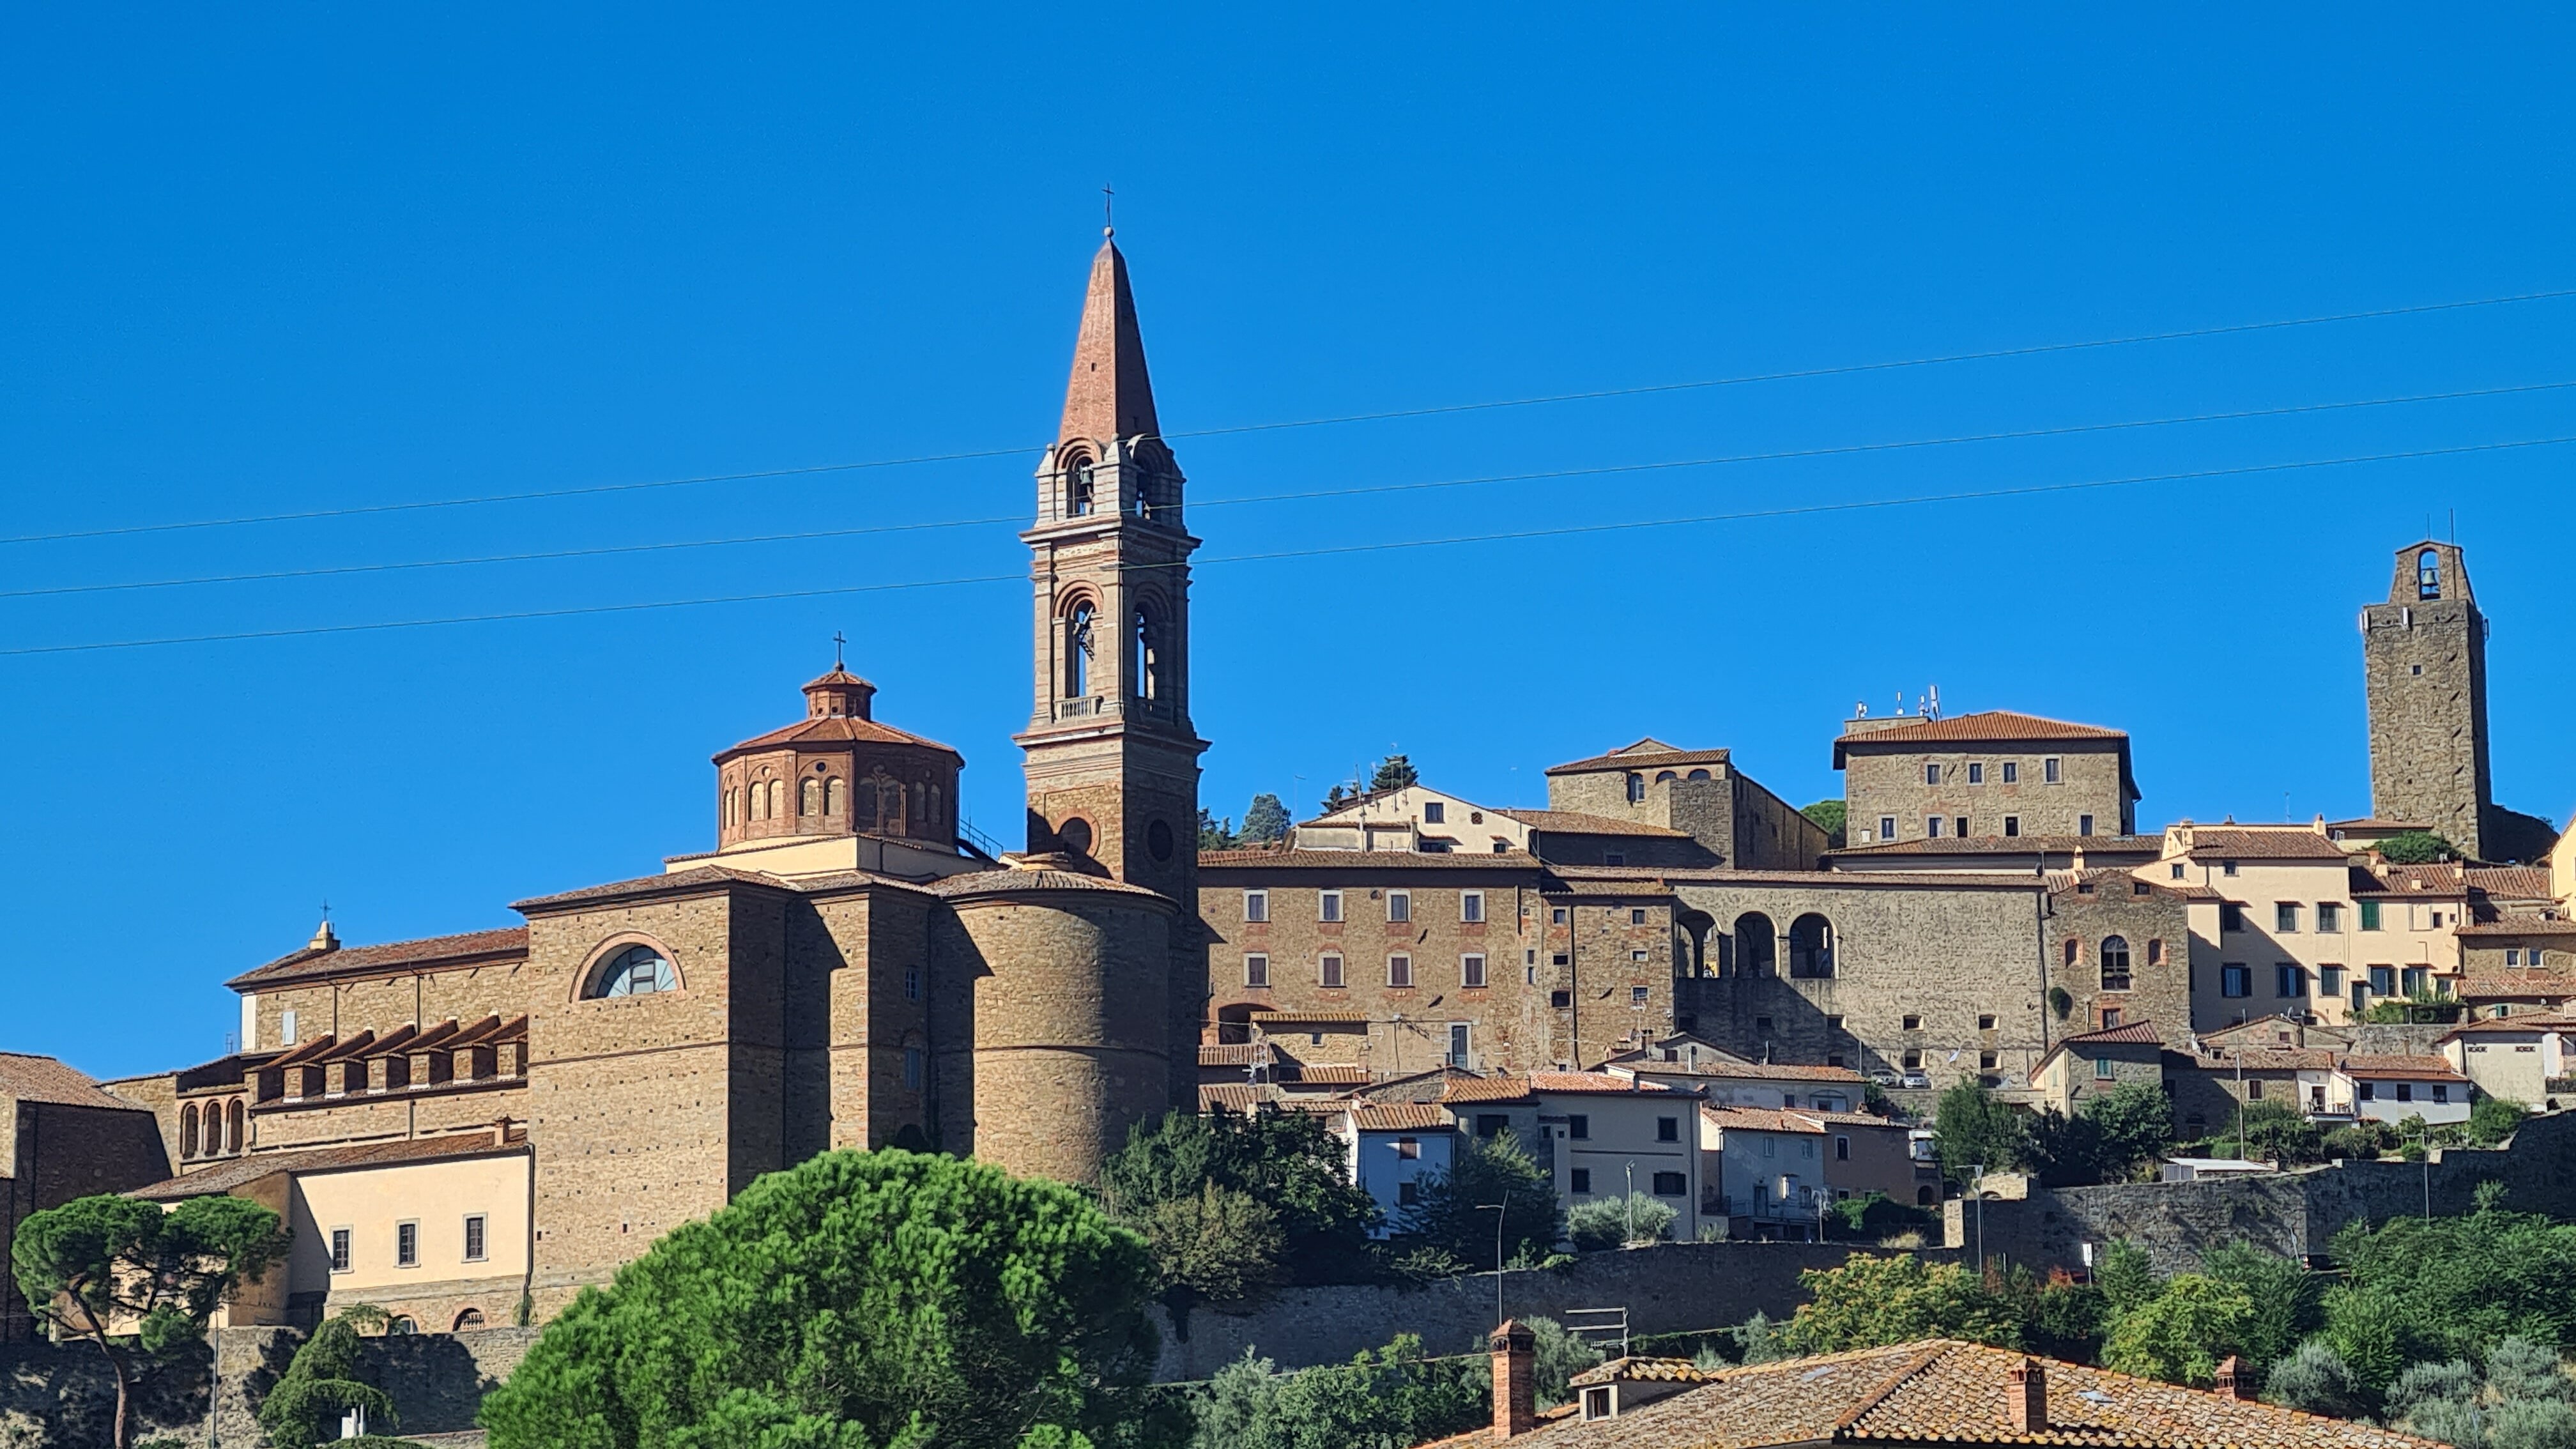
x=2416 y=979
x=2111 y=1017
x=2254 y=1089
x=1960 y=827
x=1408 y=1147
x=1407 y=1193
x=2289 y=981
x=1931 y=774
x=1581 y=1180
x=1912 y=1022
x=2285 y=917
x=2329 y=916
x=286 y=1027
x=1931 y=827
x=1913 y=1061
x=2177 y=870
x=2083 y=824
x=1471 y=906
x=2012 y=773
x=1640 y=995
x=1399 y=971
x=2235 y=980
x=1976 y=774
x=1614 y=857
x=1256 y=905
x=2012 y=825
x=2049 y=772
x=2330 y=980
x=1399 y=907
x=1434 y=813
x=1471 y=970
x=912 y=1069
x=912 y=983
x=1578 y=1127
x=1490 y=1124
x=2383 y=981
x=339 y=1250
x=1328 y=905
x=2231 y=916
x=1637 y=955
x=474 y=1237
x=2369 y=915
x=1556 y=915
x=1668 y=1129
x=1842 y=1149
x=1669 y=1184
x=1636 y=916
x=1886 y=827
x=1256 y=970
x=406 y=1245
x=2367 y=1091
x=1458 y=1044
x=2441 y=1092
x=2105 y=1069
x=1985 y=1022
x=1332 y=975
x=2512 y=957
x=2406 y=1091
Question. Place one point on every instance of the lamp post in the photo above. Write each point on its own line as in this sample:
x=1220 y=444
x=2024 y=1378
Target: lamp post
x=1977 y=1185
x=1498 y=1210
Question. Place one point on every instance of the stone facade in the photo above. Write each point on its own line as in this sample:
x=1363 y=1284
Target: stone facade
x=1698 y=792
x=2000 y=774
x=60 y=1150
x=2424 y=660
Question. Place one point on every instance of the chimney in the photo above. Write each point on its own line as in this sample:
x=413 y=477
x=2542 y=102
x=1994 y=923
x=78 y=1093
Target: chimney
x=2231 y=1379
x=1515 y=1380
x=501 y=1132
x=2026 y=1397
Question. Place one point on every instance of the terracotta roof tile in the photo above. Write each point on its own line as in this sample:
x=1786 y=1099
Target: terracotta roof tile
x=2009 y=845
x=1569 y=822
x=1236 y=1096
x=1399 y=1117
x=2141 y=1030
x=2487 y=983
x=838 y=729
x=1640 y=1369
x=1324 y=1075
x=244 y=1170
x=2513 y=882
x=1016 y=881
x=1758 y=1119
x=2518 y=926
x=1645 y=754
x=2217 y=842
x=1266 y=1017
x=2405 y=1068
x=507 y=943
x=1234 y=1054
x=1754 y=1071
x=2443 y=878
x=2267 y=1059
x=1359 y=860
x=27 y=1077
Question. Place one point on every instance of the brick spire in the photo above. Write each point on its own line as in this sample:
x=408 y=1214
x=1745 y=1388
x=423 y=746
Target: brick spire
x=1109 y=397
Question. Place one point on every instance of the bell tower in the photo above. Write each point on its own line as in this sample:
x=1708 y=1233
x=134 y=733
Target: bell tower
x=2425 y=658
x=1112 y=761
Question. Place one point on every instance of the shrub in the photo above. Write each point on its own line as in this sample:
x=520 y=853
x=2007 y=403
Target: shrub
x=2314 y=1379
x=1613 y=1222
x=1871 y=1301
x=2493 y=1119
x=2180 y=1335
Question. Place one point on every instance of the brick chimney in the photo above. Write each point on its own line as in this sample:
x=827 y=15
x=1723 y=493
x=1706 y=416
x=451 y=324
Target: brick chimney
x=1515 y=1380
x=2026 y=1397
x=2231 y=1379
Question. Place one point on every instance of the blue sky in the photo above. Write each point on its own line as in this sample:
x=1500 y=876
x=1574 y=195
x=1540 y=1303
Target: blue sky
x=328 y=257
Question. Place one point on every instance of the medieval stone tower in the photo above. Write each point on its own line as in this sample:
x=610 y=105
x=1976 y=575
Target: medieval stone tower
x=2425 y=657
x=1112 y=760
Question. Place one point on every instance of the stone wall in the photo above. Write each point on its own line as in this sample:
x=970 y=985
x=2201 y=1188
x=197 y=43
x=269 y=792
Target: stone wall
x=1679 y=1287
x=2294 y=1213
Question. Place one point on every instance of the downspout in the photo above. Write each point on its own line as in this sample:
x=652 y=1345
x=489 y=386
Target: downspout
x=528 y=1275
x=2039 y=927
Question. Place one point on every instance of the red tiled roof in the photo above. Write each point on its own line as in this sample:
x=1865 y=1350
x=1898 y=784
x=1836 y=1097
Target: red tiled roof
x=1636 y=1369
x=2443 y=878
x=2267 y=1059
x=1758 y=1119
x=2210 y=842
x=1942 y=1391
x=2141 y=1030
x=837 y=729
x=1360 y=860
x=2513 y=882
x=2518 y=926
x=1326 y=1075
x=1266 y=1017
x=2406 y=1068
x=507 y=943
x=2529 y=1021
x=2489 y=983
x=27 y=1077
x=2147 y=845
x=1570 y=822
x=1013 y=880
x=1645 y=754
x=1234 y=1054
x=1398 y=1116
x=1995 y=726
x=1754 y=1071
x=241 y=1171
x=1236 y=1096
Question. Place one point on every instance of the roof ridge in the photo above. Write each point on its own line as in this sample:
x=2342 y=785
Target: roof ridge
x=1931 y=1353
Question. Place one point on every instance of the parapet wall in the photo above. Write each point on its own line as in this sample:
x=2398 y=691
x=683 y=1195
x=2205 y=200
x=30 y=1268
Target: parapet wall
x=2291 y=1213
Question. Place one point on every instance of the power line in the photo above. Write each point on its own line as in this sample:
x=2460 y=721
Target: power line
x=1790 y=375
x=805 y=535
x=1561 y=531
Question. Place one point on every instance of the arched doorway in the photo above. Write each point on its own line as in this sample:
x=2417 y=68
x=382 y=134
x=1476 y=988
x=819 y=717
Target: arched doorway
x=1757 y=945
x=1811 y=946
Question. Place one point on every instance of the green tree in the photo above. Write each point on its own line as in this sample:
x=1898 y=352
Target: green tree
x=2314 y=1379
x=1970 y=1127
x=2286 y=1298
x=1222 y=1246
x=1265 y=821
x=1287 y=1162
x=1556 y=1356
x=860 y=1300
x=132 y=1279
x=2416 y=847
x=2180 y=1334
x=1830 y=817
x=2125 y=1276
x=1612 y=1222
x=2494 y=1119
x=323 y=1382
x=1872 y=1301
x=1386 y=1399
x=2451 y=1287
x=1216 y=834
x=2277 y=1132
x=1453 y=1212
x=1395 y=772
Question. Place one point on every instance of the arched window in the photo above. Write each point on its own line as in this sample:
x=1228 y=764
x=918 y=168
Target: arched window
x=1698 y=775
x=233 y=1132
x=2115 y=963
x=835 y=797
x=1145 y=657
x=1811 y=946
x=936 y=819
x=2428 y=575
x=2074 y=949
x=1077 y=651
x=777 y=798
x=751 y=804
x=809 y=797
x=1077 y=487
x=635 y=971
x=469 y=1320
x=1636 y=788
x=401 y=1323
x=1757 y=945
x=188 y=1130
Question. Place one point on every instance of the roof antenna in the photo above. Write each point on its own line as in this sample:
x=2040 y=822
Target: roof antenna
x=1106 y=226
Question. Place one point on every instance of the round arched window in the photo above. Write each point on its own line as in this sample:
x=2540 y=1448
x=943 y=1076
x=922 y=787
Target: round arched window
x=635 y=971
x=469 y=1320
x=1158 y=839
x=402 y=1324
x=1076 y=835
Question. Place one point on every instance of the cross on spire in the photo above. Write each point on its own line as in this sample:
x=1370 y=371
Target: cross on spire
x=837 y=642
x=1107 y=226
